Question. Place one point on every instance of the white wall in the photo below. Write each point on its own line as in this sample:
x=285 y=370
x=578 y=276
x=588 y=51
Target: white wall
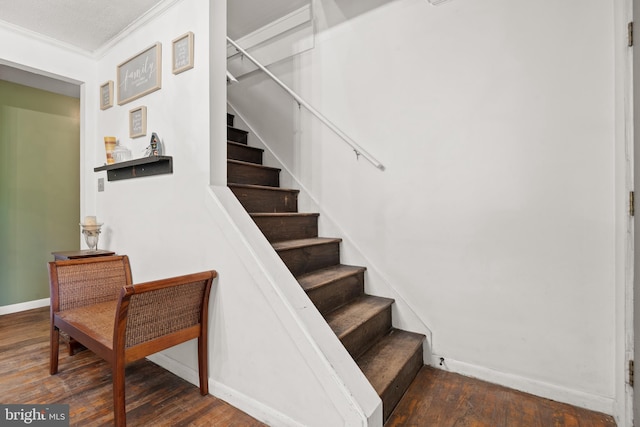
x=262 y=358
x=495 y=217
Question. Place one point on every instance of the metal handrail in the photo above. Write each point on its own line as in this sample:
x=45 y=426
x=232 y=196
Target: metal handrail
x=354 y=145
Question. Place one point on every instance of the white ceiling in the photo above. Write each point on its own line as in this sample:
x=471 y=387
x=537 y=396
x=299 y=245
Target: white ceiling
x=89 y=25
x=84 y=24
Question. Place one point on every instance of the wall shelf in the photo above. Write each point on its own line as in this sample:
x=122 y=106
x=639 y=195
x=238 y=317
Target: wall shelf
x=146 y=166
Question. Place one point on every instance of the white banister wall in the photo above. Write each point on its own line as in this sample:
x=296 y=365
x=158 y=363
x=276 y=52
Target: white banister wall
x=495 y=216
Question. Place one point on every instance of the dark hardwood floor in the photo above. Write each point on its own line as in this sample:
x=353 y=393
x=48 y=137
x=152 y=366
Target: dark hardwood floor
x=156 y=397
x=444 y=399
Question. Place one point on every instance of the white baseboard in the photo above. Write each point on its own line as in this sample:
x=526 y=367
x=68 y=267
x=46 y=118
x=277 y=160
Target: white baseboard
x=256 y=409
x=239 y=400
x=24 y=306
x=538 y=388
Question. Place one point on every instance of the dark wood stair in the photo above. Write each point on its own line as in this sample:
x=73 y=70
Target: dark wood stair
x=261 y=198
x=332 y=287
x=241 y=172
x=390 y=358
x=280 y=226
x=243 y=152
x=306 y=255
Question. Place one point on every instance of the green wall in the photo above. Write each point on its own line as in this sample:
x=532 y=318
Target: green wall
x=39 y=187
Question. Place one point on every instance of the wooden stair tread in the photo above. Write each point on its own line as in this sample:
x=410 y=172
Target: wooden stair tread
x=303 y=243
x=253 y=165
x=237 y=130
x=249 y=147
x=349 y=317
x=386 y=358
x=237 y=135
x=318 y=278
x=282 y=214
x=263 y=187
x=243 y=152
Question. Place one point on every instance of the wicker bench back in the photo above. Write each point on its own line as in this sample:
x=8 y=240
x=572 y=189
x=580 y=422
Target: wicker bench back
x=89 y=281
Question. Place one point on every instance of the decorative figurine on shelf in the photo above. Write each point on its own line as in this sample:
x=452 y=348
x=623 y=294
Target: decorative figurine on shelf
x=155 y=146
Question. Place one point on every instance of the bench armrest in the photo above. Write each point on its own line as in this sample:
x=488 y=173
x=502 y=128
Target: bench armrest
x=162 y=310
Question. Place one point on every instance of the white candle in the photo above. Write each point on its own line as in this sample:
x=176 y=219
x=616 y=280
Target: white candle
x=90 y=220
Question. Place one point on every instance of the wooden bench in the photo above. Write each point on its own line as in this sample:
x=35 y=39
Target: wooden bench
x=94 y=301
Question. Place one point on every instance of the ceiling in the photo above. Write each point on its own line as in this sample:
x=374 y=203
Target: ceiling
x=89 y=25
x=84 y=24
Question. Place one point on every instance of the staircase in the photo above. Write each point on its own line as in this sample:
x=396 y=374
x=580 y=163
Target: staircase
x=390 y=358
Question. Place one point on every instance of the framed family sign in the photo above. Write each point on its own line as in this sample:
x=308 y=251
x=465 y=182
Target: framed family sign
x=106 y=95
x=138 y=122
x=182 y=53
x=140 y=74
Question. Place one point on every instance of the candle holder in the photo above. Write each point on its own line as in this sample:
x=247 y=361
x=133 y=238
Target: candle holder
x=91 y=233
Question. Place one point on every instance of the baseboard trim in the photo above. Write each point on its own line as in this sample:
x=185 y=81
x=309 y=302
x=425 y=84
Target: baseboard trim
x=256 y=409
x=24 y=306
x=538 y=388
x=239 y=400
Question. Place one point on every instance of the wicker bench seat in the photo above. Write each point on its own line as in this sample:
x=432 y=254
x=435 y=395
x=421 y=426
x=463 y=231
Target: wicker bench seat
x=95 y=319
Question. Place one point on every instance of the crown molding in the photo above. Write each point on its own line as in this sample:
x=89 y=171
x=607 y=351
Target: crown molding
x=149 y=16
x=98 y=53
x=44 y=39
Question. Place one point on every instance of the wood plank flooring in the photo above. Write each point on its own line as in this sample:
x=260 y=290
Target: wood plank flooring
x=444 y=399
x=155 y=397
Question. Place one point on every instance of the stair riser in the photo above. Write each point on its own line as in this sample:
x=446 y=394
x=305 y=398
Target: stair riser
x=255 y=175
x=303 y=260
x=359 y=340
x=279 y=229
x=236 y=135
x=262 y=200
x=392 y=395
x=335 y=294
x=230 y=118
x=244 y=153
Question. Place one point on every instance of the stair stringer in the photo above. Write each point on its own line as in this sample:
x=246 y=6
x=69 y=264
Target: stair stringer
x=404 y=315
x=343 y=383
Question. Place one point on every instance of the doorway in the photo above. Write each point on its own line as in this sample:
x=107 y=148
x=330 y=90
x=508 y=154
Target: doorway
x=39 y=189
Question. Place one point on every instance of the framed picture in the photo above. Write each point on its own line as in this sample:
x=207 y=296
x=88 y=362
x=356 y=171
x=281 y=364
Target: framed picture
x=138 y=122
x=106 y=95
x=182 y=50
x=140 y=74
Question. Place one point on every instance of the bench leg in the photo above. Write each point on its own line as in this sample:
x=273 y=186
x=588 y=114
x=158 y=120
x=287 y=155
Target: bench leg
x=119 y=408
x=203 y=365
x=53 y=349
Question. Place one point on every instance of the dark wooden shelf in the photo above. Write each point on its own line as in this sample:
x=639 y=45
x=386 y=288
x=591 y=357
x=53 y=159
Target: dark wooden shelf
x=145 y=166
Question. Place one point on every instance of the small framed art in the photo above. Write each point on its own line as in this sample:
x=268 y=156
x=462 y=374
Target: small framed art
x=106 y=95
x=138 y=122
x=182 y=49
